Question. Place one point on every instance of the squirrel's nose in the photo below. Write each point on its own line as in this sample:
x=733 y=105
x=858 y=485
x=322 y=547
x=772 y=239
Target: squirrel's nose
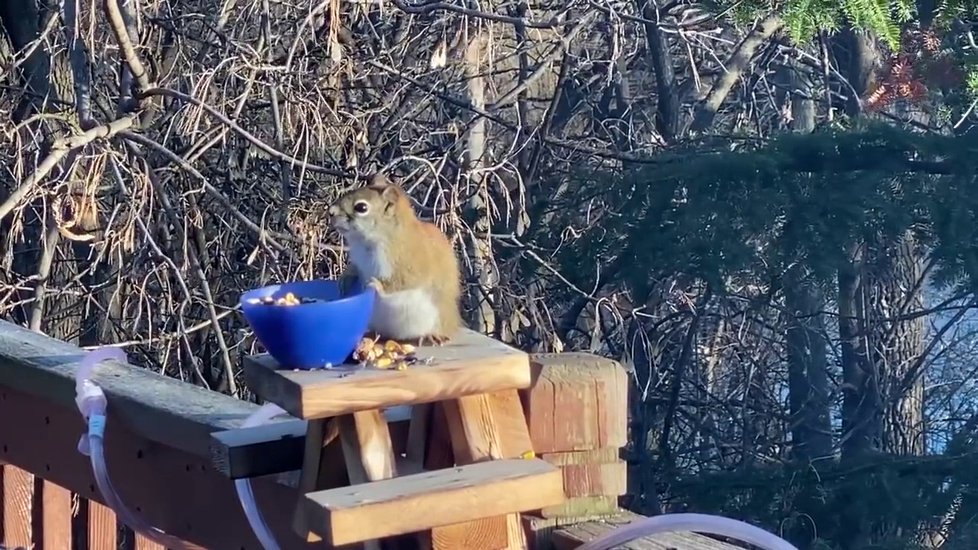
x=333 y=210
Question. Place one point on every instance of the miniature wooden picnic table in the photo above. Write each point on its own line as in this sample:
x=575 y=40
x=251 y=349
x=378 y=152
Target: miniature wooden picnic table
x=467 y=388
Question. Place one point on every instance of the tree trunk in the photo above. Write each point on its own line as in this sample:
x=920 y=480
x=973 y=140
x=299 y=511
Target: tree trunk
x=480 y=247
x=890 y=286
x=660 y=58
x=893 y=289
x=808 y=383
x=811 y=430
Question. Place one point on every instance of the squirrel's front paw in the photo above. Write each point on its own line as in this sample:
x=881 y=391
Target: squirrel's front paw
x=375 y=284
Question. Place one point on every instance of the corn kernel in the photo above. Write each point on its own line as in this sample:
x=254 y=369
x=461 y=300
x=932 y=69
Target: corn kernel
x=383 y=362
x=528 y=455
x=407 y=348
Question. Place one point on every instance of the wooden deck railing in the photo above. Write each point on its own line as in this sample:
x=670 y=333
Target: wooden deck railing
x=158 y=453
x=42 y=514
x=173 y=460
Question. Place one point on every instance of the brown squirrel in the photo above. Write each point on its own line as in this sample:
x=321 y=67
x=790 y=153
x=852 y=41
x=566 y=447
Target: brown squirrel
x=409 y=262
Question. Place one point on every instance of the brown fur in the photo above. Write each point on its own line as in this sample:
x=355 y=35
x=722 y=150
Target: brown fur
x=419 y=254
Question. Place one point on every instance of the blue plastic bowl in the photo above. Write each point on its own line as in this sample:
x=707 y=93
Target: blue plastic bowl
x=312 y=335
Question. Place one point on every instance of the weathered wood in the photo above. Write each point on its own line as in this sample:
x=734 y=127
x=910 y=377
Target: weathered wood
x=367 y=451
x=420 y=426
x=585 y=480
x=484 y=534
x=328 y=466
x=258 y=451
x=591 y=473
x=540 y=530
x=470 y=364
x=596 y=456
x=486 y=427
x=578 y=402
x=367 y=447
x=430 y=499
x=173 y=490
x=438 y=452
x=571 y=536
x=278 y=447
x=593 y=506
x=18 y=500
x=103 y=530
x=55 y=517
x=161 y=409
x=323 y=468
x=143 y=543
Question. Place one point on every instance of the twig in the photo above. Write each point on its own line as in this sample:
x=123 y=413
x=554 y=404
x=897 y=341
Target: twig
x=188 y=297
x=284 y=179
x=245 y=133
x=183 y=332
x=118 y=24
x=199 y=271
x=51 y=238
x=734 y=67
x=429 y=7
x=263 y=234
x=543 y=66
x=59 y=149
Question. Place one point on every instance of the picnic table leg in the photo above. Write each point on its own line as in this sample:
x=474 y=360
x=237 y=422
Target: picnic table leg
x=486 y=427
x=322 y=468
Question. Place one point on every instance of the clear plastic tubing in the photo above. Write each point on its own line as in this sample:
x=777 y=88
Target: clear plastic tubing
x=91 y=403
x=245 y=493
x=700 y=523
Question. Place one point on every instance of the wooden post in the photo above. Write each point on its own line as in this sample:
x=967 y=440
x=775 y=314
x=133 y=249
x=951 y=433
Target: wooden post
x=323 y=468
x=486 y=427
x=102 y=527
x=577 y=410
x=56 y=516
x=18 y=503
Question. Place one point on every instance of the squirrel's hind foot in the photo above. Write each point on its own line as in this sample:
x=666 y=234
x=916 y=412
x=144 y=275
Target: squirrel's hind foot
x=433 y=339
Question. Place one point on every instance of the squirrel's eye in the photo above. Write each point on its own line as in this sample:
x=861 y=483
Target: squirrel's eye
x=361 y=207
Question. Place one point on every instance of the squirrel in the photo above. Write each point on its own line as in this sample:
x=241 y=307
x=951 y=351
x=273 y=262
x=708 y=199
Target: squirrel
x=410 y=263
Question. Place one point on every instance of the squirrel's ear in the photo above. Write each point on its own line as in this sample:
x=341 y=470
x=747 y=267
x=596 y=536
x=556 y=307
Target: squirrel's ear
x=378 y=180
x=392 y=193
x=388 y=191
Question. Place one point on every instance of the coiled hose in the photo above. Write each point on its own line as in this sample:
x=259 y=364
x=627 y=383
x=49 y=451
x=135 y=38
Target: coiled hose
x=91 y=403
x=245 y=493
x=700 y=523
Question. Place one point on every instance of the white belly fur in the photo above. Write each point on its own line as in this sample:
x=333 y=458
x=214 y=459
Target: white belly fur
x=401 y=315
x=404 y=315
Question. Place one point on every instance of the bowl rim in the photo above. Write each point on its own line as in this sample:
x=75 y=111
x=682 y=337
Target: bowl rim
x=352 y=298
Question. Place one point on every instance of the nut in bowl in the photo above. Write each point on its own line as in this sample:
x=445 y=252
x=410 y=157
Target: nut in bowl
x=308 y=324
x=288 y=300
